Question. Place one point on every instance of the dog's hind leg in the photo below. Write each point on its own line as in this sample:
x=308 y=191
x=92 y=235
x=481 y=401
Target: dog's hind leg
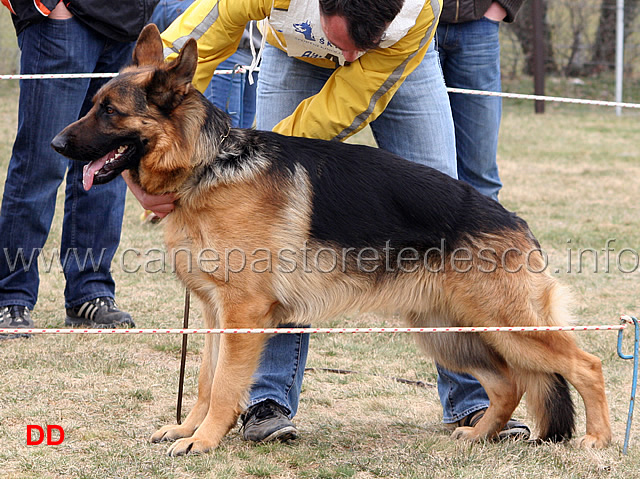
x=557 y=353
x=586 y=376
x=199 y=411
x=238 y=359
x=468 y=352
x=504 y=396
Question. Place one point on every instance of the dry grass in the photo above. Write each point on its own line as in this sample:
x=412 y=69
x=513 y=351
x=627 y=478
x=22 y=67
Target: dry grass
x=570 y=174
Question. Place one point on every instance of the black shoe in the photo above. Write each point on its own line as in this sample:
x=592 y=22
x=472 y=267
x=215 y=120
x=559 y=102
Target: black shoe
x=14 y=317
x=98 y=313
x=267 y=421
x=514 y=429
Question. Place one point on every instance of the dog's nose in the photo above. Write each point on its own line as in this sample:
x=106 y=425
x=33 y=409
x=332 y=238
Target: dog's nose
x=59 y=143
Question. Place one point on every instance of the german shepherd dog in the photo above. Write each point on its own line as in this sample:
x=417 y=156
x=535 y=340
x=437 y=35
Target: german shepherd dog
x=336 y=228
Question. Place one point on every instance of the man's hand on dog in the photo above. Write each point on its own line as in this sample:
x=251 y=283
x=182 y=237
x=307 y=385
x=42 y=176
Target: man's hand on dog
x=161 y=205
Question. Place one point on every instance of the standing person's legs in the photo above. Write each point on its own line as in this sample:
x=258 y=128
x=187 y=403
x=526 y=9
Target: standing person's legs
x=35 y=170
x=417 y=125
x=470 y=56
x=283 y=83
x=166 y=11
x=93 y=219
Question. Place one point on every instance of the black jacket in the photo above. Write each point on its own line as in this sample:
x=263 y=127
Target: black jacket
x=458 y=11
x=120 y=20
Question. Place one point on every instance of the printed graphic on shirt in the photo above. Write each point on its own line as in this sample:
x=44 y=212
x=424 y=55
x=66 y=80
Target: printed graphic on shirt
x=305 y=29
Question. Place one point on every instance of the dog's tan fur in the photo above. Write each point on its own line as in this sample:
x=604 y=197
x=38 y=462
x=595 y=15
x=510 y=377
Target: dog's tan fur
x=251 y=209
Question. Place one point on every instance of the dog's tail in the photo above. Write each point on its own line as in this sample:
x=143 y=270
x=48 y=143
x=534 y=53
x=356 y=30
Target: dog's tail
x=549 y=401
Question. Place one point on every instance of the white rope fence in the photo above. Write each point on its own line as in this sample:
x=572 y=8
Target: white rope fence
x=241 y=69
x=559 y=99
x=510 y=329
x=64 y=76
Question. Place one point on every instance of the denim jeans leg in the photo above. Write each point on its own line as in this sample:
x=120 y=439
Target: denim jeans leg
x=281 y=371
x=417 y=123
x=470 y=57
x=92 y=221
x=282 y=84
x=421 y=129
x=35 y=170
x=228 y=92
x=166 y=11
x=460 y=395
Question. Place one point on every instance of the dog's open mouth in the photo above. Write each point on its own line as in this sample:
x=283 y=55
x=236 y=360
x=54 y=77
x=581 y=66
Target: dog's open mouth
x=108 y=167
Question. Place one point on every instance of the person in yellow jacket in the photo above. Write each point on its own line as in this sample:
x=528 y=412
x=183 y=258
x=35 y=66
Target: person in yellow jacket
x=328 y=69
x=360 y=85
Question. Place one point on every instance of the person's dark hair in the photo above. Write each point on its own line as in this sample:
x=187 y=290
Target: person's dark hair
x=366 y=19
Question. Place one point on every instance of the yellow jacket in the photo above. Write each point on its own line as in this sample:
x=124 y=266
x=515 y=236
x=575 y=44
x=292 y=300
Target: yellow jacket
x=354 y=95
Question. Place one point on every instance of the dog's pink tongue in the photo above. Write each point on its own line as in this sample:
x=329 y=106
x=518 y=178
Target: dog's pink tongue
x=90 y=169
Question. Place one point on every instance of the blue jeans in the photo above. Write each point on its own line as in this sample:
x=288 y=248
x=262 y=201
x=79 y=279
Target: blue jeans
x=470 y=58
x=233 y=93
x=416 y=125
x=92 y=219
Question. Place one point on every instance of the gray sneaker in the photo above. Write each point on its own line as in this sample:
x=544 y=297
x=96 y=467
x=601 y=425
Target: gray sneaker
x=514 y=429
x=15 y=317
x=267 y=421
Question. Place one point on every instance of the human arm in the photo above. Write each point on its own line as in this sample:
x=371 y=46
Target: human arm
x=217 y=25
x=504 y=10
x=60 y=12
x=496 y=12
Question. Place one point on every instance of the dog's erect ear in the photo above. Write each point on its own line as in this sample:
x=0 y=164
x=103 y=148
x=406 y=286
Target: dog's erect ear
x=184 y=67
x=170 y=84
x=148 y=50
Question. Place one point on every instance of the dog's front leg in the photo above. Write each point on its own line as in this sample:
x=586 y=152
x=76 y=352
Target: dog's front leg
x=237 y=361
x=199 y=411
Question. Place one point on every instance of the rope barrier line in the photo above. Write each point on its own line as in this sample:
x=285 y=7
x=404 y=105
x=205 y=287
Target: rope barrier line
x=559 y=99
x=241 y=69
x=62 y=76
x=606 y=327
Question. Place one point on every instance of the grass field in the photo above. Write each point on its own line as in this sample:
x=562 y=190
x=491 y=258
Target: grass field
x=572 y=173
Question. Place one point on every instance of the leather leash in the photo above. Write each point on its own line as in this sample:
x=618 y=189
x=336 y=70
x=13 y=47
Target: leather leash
x=183 y=356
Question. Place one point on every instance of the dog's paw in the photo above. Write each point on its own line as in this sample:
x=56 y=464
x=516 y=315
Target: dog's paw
x=597 y=441
x=171 y=433
x=190 y=445
x=465 y=433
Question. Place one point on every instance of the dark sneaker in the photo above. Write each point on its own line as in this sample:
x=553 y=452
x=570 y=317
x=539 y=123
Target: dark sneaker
x=14 y=317
x=267 y=421
x=514 y=429
x=98 y=313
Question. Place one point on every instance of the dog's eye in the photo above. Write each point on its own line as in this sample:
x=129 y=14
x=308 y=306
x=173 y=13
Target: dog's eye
x=109 y=110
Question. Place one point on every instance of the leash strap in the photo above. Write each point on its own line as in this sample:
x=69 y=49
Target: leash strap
x=183 y=356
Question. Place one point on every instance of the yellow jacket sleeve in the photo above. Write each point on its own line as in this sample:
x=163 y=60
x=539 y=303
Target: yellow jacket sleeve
x=217 y=25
